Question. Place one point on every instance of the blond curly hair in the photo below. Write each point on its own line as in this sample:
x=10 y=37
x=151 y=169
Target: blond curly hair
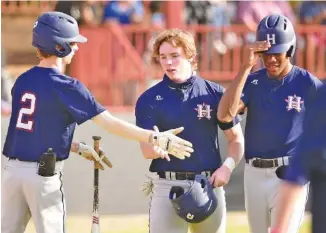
x=177 y=38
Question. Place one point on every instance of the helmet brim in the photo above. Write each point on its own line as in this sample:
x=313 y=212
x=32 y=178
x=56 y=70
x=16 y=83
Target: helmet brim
x=79 y=39
x=280 y=48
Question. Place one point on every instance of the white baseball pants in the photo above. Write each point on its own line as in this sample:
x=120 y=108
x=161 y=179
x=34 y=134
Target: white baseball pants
x=163 y=218
x=261 y=193
x=25 y=194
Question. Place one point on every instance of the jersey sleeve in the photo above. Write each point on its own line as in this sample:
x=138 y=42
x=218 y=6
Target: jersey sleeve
x=246 y=92
x=77 y=100
x=145 y=114
x=297 y=172
x=312 y=141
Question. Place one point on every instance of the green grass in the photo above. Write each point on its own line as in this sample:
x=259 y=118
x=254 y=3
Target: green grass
x=236 y=222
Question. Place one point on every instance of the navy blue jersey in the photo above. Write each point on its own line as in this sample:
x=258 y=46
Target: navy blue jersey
x=311 y=153
x=193 y=105
x=275 y=112
x=45 y=109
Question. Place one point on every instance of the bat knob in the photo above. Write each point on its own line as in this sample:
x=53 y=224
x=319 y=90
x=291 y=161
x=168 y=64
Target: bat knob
x=96 y=138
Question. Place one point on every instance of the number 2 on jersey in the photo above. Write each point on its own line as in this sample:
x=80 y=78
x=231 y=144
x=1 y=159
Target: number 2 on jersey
x=28 y=100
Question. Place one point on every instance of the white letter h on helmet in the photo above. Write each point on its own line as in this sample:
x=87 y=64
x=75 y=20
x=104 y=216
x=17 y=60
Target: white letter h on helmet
x=271 y=38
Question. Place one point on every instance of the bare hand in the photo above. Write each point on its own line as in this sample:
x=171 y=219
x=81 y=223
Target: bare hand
x=253 y=52
x=220 y=177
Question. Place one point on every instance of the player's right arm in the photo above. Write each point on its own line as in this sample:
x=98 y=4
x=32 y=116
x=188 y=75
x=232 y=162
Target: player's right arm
x=81 y=106
x=164 y=140
x=121 y=128
x=231 y=103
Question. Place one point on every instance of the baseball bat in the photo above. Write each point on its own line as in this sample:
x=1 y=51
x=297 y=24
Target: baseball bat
x=95 y=215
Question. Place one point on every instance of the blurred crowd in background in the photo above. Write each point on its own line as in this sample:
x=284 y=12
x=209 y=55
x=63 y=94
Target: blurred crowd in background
x=215 y=13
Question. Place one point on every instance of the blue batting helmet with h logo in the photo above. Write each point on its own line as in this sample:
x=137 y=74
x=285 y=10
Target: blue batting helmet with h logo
x=56 y=28
x=279 y=31
x=197 y=204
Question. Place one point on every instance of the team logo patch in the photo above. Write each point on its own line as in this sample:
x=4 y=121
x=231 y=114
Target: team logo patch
x=294 y=102
x=255 y=81
x=158 y=97
x=203 y=110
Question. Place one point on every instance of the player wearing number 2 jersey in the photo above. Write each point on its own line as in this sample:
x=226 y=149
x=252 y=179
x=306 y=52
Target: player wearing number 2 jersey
x=46 y=107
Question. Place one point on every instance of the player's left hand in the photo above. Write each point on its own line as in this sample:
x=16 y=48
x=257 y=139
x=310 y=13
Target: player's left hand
x=220 y=177
x=89 y=153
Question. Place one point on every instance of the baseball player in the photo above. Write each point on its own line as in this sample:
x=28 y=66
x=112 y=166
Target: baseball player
x=274 y=98
x=183 y=98
x=45 y=109
x=308 y=164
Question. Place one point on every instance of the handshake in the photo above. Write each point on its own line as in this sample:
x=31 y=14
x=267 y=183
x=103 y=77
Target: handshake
x=167 y=142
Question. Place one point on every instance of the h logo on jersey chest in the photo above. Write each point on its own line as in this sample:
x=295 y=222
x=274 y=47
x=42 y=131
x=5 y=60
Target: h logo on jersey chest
x=203 y=110
x=271 y=38
x=294 y=102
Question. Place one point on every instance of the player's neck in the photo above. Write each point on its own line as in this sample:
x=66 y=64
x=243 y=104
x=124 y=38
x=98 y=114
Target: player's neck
x=184 y=77
x=285 y=72
x=52 y=62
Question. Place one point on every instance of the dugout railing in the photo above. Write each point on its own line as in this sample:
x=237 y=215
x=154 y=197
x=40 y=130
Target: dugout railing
x=109 y=66
x=115 y=62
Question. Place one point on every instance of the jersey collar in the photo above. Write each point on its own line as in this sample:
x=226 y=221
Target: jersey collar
x=284 y=80
x=185 y=85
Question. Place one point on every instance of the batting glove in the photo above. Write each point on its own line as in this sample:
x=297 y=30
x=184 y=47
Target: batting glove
x=89 y=153
x=174 y=145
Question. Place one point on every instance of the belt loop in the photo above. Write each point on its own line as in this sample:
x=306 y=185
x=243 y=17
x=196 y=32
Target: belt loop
x=286 y=161
x=251 y=161
x=173 y=175
x=167 y=175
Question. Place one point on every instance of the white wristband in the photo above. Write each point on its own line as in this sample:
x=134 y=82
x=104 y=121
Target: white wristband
x=230 y=163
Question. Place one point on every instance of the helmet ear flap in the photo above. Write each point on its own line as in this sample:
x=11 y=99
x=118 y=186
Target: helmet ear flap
x=290 y=52
x=176 y=192
x=64 y=50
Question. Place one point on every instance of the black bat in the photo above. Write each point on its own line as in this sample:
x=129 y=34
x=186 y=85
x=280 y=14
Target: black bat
x=95 y=215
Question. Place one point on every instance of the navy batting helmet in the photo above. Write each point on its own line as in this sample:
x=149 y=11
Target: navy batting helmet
x=279 y=31
x=56 y=28
x=197 y=204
